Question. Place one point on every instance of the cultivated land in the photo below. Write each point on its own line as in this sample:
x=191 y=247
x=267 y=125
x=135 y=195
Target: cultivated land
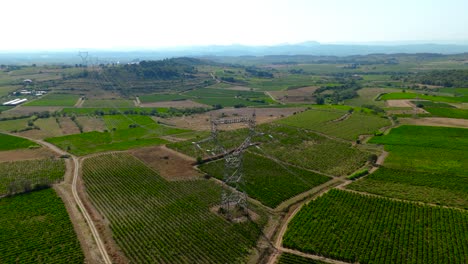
x=171 y=219
x=151 y=203
x=35 y=228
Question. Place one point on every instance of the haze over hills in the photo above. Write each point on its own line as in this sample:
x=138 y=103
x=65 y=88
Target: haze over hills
x=305 y=48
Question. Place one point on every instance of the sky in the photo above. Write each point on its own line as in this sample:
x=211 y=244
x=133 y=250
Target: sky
x=116 y=24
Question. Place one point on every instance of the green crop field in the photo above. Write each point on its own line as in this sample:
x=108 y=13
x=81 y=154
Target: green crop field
x=12 y=142
x=269 y=181
x=437 y=188
x=212 y=96
x=358 y=228
x=368 y=96
x=156 y=221
x=125 y=121
x=55 y=99
x=14 y=125
x=328 y=123
x=19 y=176
x=456 y=91
x=445 y=99
x=293 y=145
x=448 y=112
x=112 y=111
x=109 y=103
x=36 y=228
x=287 y=258
x=432 y=104
x=162 y=98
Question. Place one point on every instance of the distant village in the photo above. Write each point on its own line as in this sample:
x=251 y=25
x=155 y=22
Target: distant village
x=24 y=92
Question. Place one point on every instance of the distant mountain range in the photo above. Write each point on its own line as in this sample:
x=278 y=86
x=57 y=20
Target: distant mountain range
x=306 y=48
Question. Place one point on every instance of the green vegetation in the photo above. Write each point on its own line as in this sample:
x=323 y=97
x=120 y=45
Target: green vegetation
x=36 y=228
x=156 y=221
x=448 y=112
x=455 y=91
x=113 y=111
x=287 y=258
x=446 y=99
x=55 y=99
x=269 y=181
x=212 y=96
x=438 y=188
x=337 y=123
x=358 y=174
x=14 y=125
x=432 y=104
x=129 y=121
x=27 y=175
x=12 y=142
x=109 y=103
x=359 y=228
x=162 y=98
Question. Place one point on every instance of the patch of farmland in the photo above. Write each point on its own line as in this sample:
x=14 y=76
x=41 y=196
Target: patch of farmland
x=153 y=98
x=359 y=228
x=67 y=126
x=175 y=104
x=336 y=123
x=112 y=111
x=27 y=154
x=368 y=96
x=287 y=258
x=48 y=127
x=91 y=123
x=437 y=188
x=291 y=145
x=11 y=142
x=14 y=125
x=269 y=181
x=125 y=121
x=110 y=103
x=455 y=91
x=35 y=228
x=20 y=176
x=156 y=221
x=55 y=99
x=212 y=96
x=445 y=99
x=435 y=121
x=448 y=112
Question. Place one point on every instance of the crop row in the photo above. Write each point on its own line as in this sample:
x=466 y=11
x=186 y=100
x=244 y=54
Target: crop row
x=359 y=228
x=155 y=221
x=287 y=258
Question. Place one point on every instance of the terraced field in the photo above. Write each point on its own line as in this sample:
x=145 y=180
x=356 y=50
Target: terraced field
x=358 y=228
x=156 y=221
x=269 y=181
x=35 y=228
x=20 y=176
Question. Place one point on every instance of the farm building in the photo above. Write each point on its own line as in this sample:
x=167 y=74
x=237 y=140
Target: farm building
x=15 y=101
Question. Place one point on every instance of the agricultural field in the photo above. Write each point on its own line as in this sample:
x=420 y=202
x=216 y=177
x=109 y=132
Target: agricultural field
x=91 y=123
x=108 y=103
x=224 y=97
x=448 y=112
x=269 y=181
x=126 y=121
x=338 y=123
x=287 y=258
x=14 y=125
x=436 y=188
x=156 y=221
x=359 y=228
x=294 y=146
x=408 y=95
x=368 y=96
x=55 y=99
x=20 y=176
x=35 y=228
x=111 y=111
x=162 y=98
x=455 y=91
x=12 y=142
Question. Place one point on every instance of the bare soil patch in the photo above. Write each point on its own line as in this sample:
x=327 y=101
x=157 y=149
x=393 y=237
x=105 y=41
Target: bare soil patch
x=399 y=103
x=300 y=95
x=27 y=110
x=175 y=104
x=91 y=123
x=170 y=164
x=239 y=88
x=202 y=121
x=435 y=121
x=68 y=126
x=26 y=154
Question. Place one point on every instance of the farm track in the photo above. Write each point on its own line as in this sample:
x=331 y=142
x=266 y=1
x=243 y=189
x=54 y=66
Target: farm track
x=76 y=202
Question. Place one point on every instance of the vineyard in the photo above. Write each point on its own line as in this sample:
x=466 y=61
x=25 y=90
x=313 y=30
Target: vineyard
x=287 y=258
x=35 y=228
x=358 y=228
x=268 y=181
x=12 y=142
x=55 y=100
x=20 y=176
x=448 y=112
x=155 y=221
x=336 y=123
x=444 y=188
x=292 y=145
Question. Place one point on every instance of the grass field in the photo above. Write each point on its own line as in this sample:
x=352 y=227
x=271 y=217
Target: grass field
x=359 y=228
x=12 y=142
x=437 y=188
x=328 y=122
x=14 y=125
x=109 y=103
x=55 y=99
x=23 y=175
x=268 y=181
x=448 y=112
x=445 y=99
x=155 y=221
x=36 y=228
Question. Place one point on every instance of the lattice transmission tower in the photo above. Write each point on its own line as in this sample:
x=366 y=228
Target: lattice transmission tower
x=84 y=57
x=233 y=162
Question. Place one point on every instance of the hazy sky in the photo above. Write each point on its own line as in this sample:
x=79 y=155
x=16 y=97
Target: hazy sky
x=63 y=24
